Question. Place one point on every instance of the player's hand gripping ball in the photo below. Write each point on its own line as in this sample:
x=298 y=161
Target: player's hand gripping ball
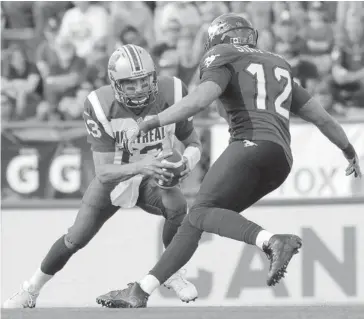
x=177 y=165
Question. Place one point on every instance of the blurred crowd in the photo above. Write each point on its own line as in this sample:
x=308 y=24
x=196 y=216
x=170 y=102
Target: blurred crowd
x=54 y=53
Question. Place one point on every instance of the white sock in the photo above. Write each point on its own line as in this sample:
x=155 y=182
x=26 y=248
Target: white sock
x=149 y=283
x=38 y=280
x=263 y=237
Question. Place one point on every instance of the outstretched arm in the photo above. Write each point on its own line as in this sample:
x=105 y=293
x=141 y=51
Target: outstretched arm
x=191 y=104
x=313 y=112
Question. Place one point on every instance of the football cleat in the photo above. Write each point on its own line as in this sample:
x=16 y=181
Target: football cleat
x=185 y=290
x=280 y=250
x=132 y=297
x=25 y=298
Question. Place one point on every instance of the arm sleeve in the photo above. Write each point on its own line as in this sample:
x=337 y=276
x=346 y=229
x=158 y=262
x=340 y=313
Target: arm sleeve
x=184 y=128
x=299 y=97
x=220 y=75
x=99 y=139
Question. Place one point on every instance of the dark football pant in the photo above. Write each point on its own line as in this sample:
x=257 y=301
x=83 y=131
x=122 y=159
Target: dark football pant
x=240 y=177
x=96 y=209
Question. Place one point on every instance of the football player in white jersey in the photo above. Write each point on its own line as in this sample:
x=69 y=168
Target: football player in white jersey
x=121 y=180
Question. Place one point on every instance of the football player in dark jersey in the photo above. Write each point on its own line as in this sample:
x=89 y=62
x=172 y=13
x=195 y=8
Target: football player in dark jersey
x=124 y=180
x=257 y=92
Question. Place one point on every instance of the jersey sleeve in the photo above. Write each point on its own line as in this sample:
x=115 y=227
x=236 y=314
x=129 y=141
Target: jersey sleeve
x=299 y=97
x=220 y=75
x=100 y=140
x=184 y=128
x=214 y=67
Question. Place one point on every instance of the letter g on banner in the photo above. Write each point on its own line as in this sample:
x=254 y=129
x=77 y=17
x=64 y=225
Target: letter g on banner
x=64 y=173
x=22 y=173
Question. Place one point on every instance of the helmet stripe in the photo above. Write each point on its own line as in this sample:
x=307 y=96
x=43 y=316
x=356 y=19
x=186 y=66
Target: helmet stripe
x=134 y=56
x=138 y=56
x=130 y=58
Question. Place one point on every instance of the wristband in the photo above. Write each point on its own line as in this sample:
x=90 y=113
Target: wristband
x=193 y=156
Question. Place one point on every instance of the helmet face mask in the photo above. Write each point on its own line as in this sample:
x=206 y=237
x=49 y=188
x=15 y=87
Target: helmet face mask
x=231 y=28
x=133 y=77
x=136 y=92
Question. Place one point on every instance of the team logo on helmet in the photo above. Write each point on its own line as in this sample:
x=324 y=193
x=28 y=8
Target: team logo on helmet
x=210 y=59
x=218 y=28
x=113 y=59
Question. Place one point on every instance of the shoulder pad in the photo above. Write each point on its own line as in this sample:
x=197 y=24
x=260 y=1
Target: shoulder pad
x=165 y=82
x=102 y=97
x=171 y=88
x=219 y=55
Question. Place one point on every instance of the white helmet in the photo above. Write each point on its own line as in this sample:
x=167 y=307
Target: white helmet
x=128 y=63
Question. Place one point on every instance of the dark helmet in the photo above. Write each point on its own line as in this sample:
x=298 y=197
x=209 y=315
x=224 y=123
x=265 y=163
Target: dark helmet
x=231 y=28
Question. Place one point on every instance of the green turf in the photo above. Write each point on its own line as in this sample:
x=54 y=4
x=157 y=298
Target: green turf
x=306 y=312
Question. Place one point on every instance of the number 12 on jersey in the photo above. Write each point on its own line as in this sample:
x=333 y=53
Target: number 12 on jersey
x=258 y=72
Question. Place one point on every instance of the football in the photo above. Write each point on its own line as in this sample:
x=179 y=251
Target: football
x=177 y=160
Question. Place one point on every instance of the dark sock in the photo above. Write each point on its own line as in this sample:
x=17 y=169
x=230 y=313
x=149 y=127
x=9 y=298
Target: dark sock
x=169 y=230
x=56 y=258
x=178 y=253
x=226 y=223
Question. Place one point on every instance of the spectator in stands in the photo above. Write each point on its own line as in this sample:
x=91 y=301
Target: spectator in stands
x=298 y=14
x=261 y=14
x=209 y=10
x=131 y=35
x=345 y=10
x=319 y=38
x=187 y=65
x=19 y=14
x=45 y=52
x=277 y=8
x=71 y=107
x=348 y=67
x=323 y=92
x=132 y=13
x=168 y=63
x=238 y=7
x=4 y=43
x=85 y=25
x=96 y=73
x=20 y=79
x=172 y=31
x=8 y=106
x=66 y=73
x=267 y=40
x=165 y=53
x=45 y=10
x=290 y=45
x=183 y=13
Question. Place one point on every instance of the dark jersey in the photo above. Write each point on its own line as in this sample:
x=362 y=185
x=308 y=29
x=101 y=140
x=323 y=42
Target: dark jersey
x=258 y=92
x=106 y=121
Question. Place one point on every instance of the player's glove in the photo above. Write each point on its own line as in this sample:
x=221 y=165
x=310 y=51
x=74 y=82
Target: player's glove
x=353 y=160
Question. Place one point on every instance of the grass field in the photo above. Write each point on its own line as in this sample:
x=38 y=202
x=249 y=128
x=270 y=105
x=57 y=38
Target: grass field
x=307 y=312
